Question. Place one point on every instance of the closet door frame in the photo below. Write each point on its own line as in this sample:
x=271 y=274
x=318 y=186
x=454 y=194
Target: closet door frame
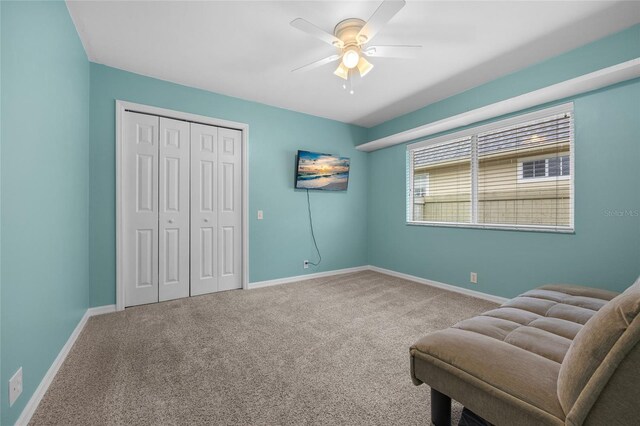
x=123 y=106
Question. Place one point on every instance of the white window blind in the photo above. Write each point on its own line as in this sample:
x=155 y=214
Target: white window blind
x=511 y=174
x=447 y=166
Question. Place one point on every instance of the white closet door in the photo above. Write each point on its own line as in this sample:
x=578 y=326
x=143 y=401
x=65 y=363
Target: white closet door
x=230 y=209
x=140 y=215
x=173 y=218
x=204 y=209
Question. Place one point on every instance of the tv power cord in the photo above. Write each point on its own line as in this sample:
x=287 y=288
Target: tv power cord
x=312 y=233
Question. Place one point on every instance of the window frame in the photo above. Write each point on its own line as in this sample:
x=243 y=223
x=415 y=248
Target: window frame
x=473 y=132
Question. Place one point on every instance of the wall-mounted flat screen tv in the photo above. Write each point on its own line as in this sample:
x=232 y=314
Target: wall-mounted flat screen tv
x=321 y=171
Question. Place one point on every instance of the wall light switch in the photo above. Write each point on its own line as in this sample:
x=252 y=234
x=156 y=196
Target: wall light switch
x=474 y=278
x=15 y=386
x=260 y=215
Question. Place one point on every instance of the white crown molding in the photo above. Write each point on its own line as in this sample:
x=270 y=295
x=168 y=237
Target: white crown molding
x=568 y=88
x=38 y=394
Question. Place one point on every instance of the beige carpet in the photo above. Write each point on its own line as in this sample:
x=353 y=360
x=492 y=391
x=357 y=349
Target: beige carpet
x=325 y=351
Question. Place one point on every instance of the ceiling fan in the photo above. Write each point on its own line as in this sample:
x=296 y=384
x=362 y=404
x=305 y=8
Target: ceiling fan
x=351 y=37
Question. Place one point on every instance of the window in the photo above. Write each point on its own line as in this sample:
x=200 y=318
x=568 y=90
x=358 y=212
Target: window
x=545 y=167
x=447 y=196
x=420 y=185
x=515 y=174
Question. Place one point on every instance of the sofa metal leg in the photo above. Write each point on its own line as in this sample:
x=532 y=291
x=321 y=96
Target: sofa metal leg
x=440 y=409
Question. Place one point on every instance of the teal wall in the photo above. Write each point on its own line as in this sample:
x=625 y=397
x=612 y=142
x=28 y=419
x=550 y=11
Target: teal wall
x=280 y=242
x=1 y=377
x=605 y=249
x=44 y=192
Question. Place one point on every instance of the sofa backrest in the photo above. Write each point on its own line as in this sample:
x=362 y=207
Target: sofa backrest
x=600 y=374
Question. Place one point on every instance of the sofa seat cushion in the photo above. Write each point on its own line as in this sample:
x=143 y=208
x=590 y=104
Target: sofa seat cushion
x=515 y=349
x=508 y=369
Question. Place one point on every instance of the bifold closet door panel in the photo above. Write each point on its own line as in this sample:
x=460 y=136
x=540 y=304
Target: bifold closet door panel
x=140 y=209
x=173 y=219
x=230 y=209
x=204 y=209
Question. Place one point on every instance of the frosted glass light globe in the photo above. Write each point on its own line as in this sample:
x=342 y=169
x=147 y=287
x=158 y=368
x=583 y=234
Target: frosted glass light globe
x=350 y=58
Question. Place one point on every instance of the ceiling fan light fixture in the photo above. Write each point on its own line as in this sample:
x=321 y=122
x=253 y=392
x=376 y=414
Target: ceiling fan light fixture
x=342 y=71
x=350 y=58
x=364 y=66
x=351 y=37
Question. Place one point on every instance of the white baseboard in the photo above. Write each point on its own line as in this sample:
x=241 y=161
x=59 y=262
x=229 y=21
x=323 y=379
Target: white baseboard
x=46 y=381
x=474 y=293
x=99 y=310
x=444 y=286
x=278 y=281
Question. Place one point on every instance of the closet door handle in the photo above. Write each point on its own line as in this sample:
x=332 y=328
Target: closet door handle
x=170 y=220
x=206 y=220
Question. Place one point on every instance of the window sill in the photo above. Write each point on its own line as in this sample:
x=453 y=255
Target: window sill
x=522 y=180
x=525 y=228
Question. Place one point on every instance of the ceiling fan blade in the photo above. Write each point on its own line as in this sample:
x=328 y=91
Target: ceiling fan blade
x=392 y=51
x=380 y=17
x=316 y=32
x=316 y=64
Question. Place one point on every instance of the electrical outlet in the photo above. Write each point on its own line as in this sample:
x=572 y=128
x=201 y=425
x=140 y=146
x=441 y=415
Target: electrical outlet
x=474 y=278
x=305 y=264
x=15 y=386
x=260 y=215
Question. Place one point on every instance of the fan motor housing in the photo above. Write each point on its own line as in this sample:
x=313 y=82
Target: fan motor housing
x=348 y=30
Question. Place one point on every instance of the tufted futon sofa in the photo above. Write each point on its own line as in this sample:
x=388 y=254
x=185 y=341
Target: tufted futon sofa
x=556 y=355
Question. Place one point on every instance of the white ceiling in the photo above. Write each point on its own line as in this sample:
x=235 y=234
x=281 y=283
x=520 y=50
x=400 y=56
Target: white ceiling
x=248 y=49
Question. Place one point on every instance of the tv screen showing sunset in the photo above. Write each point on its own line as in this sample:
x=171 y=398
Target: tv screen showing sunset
x=322 y=171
